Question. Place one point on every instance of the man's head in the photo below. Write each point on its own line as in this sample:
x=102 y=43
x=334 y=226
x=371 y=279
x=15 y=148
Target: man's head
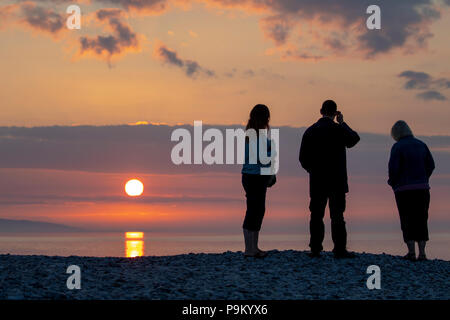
x=329 y=109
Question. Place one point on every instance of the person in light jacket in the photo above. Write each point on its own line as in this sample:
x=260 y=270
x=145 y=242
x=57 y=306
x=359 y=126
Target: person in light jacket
x=256 y=182
x=410 y=167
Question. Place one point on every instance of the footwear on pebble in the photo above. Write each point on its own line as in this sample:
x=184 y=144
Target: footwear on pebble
x=344 y=254
x=422 y=257
x=258 y=255
x=314 y=254
x=410 y=257
x=251 y=245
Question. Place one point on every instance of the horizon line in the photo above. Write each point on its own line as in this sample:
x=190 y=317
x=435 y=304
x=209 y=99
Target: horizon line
x=163 y=124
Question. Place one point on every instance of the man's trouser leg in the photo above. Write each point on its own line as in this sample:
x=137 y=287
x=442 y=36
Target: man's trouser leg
x=338 y=231
x=316 y=226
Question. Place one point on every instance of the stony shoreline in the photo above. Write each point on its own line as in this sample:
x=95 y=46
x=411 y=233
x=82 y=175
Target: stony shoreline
x=282 y=275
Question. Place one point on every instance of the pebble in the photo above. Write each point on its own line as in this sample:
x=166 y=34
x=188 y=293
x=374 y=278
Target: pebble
x=282 y=275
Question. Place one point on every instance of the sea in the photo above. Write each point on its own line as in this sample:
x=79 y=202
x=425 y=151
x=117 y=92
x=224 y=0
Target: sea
x=134 y=243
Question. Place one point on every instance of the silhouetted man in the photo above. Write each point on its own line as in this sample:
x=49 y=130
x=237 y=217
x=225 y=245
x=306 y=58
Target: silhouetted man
x=323 y=155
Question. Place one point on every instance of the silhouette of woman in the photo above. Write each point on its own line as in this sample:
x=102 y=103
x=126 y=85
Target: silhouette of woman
x=255 y=184
x=410 y=167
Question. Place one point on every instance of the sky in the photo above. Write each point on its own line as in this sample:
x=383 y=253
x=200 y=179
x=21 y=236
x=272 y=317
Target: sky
x=70 y=99
x=76 y=176
x=165 y=61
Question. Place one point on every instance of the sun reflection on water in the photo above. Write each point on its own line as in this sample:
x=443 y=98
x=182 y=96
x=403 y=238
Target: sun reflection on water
x=134 y=244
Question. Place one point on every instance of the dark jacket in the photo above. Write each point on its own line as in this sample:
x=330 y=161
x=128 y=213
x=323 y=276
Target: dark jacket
x=410 y=165
x=323 y=155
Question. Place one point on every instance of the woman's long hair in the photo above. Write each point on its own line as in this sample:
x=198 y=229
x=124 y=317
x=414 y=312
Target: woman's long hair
x=259 y=118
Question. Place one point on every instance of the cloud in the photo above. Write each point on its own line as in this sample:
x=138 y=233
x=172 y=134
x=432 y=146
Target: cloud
x=121 y=40
x=336 y=43
x=249 y=73
x=89 y=165
x=46 y=199
x=405 y=24
x=36 y=18
x=277 y=28
x=431 y=95
x=443 y=83
x=43 y=19
x=103 y=14
x=292 y=25
x=424 y=81
x=140 y=6
x=169 y=56
x=125 y=149
x=416 y=80
x=294 y=54
x=190 y=67
x=402 y=22
x=271 y=75
x=231 y=73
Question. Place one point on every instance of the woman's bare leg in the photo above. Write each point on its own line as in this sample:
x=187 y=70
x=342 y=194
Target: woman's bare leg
x=411 y=247
x=256 y=243
x=248 y=242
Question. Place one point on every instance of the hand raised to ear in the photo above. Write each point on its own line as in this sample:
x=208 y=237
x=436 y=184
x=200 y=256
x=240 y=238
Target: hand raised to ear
x=340 y=117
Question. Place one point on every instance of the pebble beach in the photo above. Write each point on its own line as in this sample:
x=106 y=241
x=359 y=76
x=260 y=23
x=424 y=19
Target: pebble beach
x=230 y=276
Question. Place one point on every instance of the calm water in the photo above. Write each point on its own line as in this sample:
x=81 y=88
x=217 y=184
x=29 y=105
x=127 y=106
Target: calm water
x=154 y=244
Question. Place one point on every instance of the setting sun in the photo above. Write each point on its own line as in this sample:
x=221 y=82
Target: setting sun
x=134 y=188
